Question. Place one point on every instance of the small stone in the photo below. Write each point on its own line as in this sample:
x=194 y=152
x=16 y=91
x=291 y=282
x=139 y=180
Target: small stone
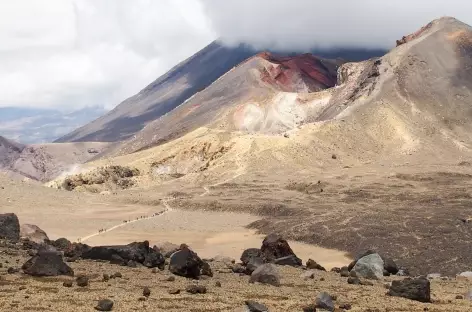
x=104 y=305
x=154 y=270
x=324 y=301
x=308 y=275
x=334 y=156
x=174 y=291
x=12 y=270
x=353 y=281
x=344 y=272
x=433 y=276
x=170 y=279
x=22 y=288
x=336 y=270
x=345 y=306
x=218 y=284
x=142 y=299
x=67 y=284
x=238 y=268
x=106 y=277
x=196 y=289
x=117 y=275
x=312 y=264
x=459 y=297
x=266 y=274
x=322 y=279
x=255 y=306
x=309 y=308
x=82 y=281
x=146 y=292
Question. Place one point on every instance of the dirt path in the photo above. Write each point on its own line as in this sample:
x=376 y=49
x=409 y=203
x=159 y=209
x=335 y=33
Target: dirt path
x=155 y=215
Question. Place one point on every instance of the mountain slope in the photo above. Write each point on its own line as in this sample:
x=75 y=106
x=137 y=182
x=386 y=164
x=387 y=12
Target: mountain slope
x=179 y=84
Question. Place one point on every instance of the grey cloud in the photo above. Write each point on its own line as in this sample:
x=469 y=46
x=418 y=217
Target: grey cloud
x=302 y=24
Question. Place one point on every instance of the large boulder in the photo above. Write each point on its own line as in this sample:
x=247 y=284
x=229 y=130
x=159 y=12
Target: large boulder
x=135 y=252
x=250 y=253
x=418 y=289
x=275 y=247
x=47 y=263
x=389 y=264
x=371 y=267
x=167 y=249
x=266 y=274
x=33 y=233
x=186 y=263
x=9 y=227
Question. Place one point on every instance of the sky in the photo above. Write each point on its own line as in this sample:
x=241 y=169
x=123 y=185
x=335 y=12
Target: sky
x=69 y=54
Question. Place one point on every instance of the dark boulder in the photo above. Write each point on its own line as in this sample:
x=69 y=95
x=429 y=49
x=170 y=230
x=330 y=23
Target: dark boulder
x=390 y=266
x=186 y=263
x=206 y=269
x=418 y=289
x=238 y=268
x=47 y=263
x=154 y=260
x=61 y=244
x=9 y=227
x=137 y=252
x=82 y=281
x=250 y=253
x=266 y=274
x=313 y=265
x=274 y=247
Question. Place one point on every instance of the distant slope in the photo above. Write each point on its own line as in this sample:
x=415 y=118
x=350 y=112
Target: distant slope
x=44 y=162
x=172 y=89
x=36 y=125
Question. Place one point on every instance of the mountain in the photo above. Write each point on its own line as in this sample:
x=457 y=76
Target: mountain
x=36 y=125
x=378 y=158
x=175 y=87
x=44 y=162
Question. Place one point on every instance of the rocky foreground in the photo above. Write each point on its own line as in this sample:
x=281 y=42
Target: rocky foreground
x=37 y=274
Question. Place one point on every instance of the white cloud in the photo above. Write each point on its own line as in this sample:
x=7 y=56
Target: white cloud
x=75 y=53
x=301 y=24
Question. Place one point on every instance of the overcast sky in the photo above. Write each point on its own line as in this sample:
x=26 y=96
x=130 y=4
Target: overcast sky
x=76 y=53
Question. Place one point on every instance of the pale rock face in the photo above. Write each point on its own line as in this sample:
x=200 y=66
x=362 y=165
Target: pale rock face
x=370 y=267
x=33 y=233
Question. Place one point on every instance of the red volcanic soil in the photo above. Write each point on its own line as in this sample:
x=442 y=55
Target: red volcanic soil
x=414 y=35
x=304 y=71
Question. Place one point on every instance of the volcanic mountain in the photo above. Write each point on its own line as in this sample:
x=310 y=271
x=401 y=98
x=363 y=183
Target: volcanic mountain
x=177 y=86
x=389 y=144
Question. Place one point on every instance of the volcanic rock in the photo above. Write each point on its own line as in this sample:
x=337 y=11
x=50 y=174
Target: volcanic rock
x=253 y=306
x=266 y=274
x=47 y=263
x=104 y=305
x=312 y=264
x=415 y=289
x=324 y=301
x=250 y=253
x=9 y=227
x=186 y=263
x=274 y=247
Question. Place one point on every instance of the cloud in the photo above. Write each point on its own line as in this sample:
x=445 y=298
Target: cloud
x=75 y=53
x=303 y=24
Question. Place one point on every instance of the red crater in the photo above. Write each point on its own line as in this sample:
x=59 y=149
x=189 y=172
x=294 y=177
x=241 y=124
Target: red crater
x=304 y=72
